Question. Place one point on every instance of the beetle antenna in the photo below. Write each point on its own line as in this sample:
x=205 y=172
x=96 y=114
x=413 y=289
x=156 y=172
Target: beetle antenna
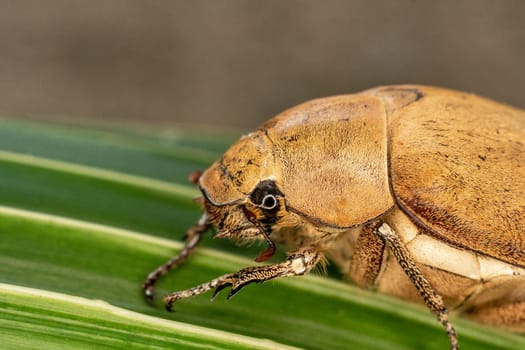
x=268 y=252
x=194 y=176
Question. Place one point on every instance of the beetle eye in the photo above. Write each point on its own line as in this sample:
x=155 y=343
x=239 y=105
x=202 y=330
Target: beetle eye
x=269 y=202
x=266 y=195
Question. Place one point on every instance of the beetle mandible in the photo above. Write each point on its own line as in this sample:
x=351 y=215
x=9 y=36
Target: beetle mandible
x=414 y=191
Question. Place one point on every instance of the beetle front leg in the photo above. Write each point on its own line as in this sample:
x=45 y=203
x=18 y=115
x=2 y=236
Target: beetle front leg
x=430 y=296
x=298 y=263
x=193 y=237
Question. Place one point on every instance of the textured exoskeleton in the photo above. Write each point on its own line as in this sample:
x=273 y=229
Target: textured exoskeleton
x=414 y=191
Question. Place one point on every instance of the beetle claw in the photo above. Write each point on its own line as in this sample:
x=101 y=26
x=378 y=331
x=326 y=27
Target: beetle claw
x=169 y=306
x=237 y=289
x=219 y=289
x=148 y=294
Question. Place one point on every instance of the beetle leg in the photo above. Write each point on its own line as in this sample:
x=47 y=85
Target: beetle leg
x=430 y=296
x=193 y=237
x=368 y=256
x=510 y=315
x=296 y=264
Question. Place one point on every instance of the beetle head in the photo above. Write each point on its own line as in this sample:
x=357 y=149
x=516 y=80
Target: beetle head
x=241 y=194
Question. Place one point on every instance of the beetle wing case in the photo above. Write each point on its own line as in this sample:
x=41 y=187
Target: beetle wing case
x=457 y=166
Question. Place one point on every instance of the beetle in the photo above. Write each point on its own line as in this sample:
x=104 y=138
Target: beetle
x=414 y=191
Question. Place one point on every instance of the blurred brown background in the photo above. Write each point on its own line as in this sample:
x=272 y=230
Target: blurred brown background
x=236 y=63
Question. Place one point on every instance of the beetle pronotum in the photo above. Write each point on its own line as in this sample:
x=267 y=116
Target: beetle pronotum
x=414 y=191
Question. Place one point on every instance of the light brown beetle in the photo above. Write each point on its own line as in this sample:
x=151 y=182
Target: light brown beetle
x=414 y=191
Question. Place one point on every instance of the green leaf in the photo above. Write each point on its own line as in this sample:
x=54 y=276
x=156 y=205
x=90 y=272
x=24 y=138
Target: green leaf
x=40 y=319
x=70 y=233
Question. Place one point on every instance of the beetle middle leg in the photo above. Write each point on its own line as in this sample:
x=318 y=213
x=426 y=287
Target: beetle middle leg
x=430 y=296
x=298 y=263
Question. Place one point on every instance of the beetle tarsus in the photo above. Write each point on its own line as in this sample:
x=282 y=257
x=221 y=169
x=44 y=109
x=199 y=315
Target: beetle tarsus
x=451 y=332
x=194 y=236
x=298 y=263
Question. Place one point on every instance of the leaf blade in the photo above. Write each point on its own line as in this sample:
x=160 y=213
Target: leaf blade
x=96 y=324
